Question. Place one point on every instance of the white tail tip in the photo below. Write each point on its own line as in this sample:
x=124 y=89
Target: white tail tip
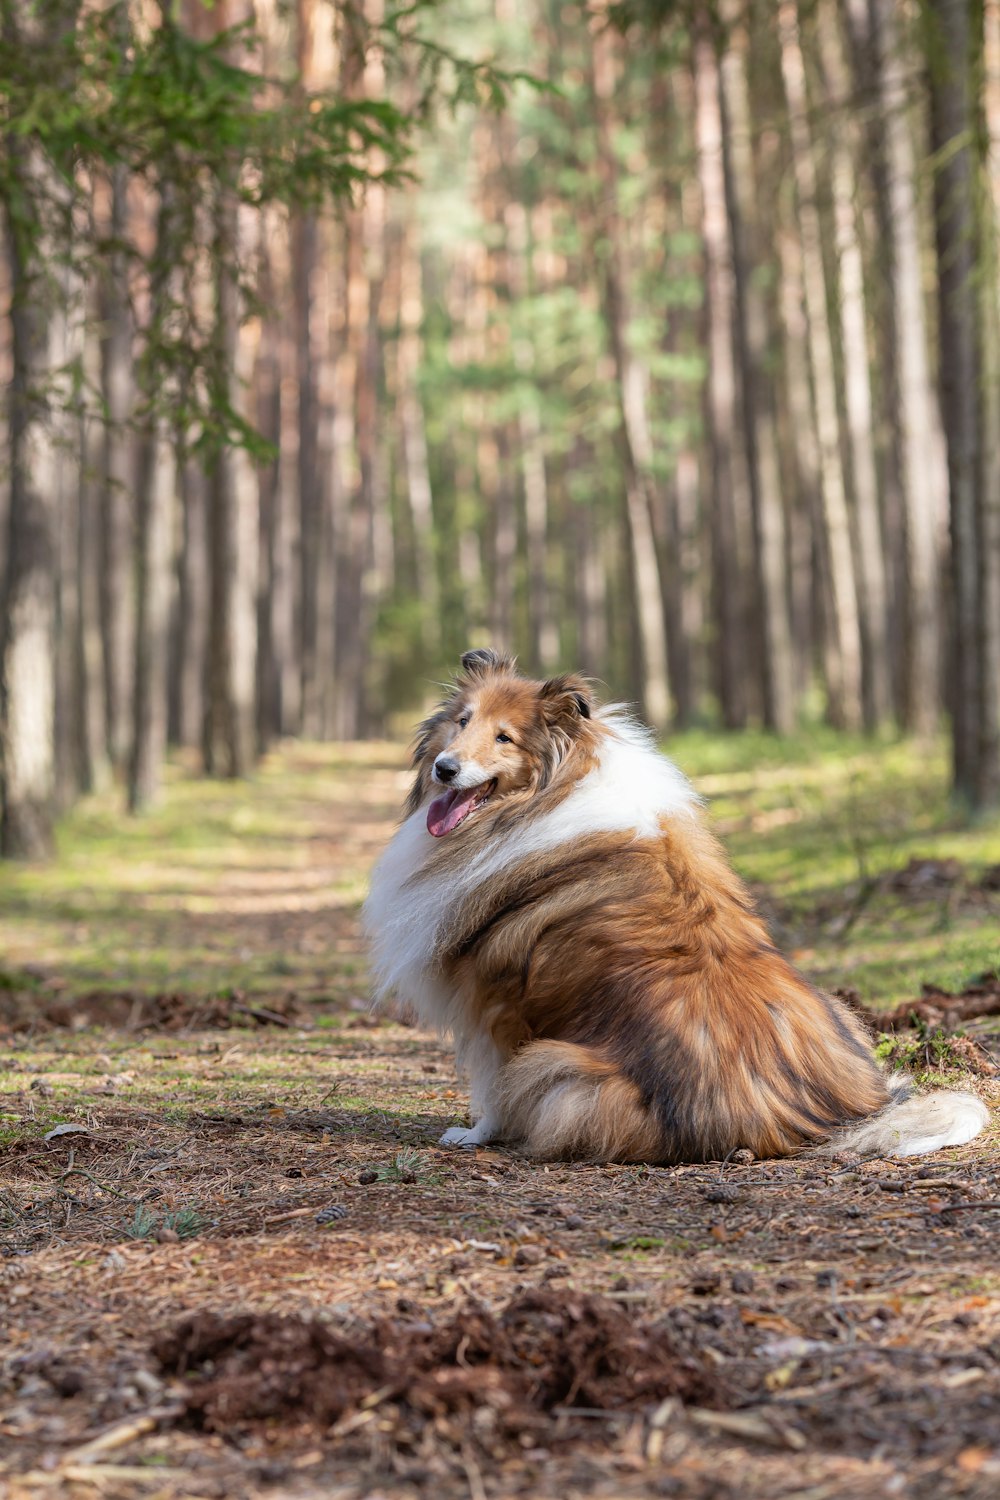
x=917 y=1125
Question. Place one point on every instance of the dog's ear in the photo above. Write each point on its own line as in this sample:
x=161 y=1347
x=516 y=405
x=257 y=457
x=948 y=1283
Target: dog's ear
x=484 y=659
x=566 y=700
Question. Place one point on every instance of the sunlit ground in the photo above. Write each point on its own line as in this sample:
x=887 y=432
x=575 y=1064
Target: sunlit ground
x=255 y=885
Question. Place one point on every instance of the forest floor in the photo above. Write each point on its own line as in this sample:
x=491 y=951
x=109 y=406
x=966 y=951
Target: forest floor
x=236 y=1263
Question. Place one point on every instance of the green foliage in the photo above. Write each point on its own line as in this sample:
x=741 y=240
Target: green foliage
x=90 y=92
x=186 y=1223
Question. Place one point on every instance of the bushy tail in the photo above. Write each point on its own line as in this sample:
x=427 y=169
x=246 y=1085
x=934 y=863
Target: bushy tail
x=562 y=1100
x=914 y=1124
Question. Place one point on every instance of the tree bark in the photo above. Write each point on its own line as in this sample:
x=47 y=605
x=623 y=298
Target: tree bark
x=153 y=560
x=757 y=404
x=949 y=62
x=729 y=491
x=27 y=623
x=154 y=525
x=989 y=494
x=414 y=435
x=191 y=635
x=844 y=661
x=843 y=149
x=885 y=63
x=119 y=477
x=634 y=442
x=228 y=734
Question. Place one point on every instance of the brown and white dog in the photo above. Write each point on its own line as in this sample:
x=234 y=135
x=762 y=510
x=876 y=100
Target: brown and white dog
x=554 y=900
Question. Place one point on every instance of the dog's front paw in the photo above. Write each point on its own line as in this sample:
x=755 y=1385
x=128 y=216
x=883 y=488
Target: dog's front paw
x=456 y=1136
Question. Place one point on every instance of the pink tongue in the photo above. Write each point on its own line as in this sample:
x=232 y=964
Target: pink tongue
x=448 y=810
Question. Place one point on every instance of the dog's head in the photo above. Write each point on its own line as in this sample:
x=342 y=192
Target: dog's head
x=497 y=734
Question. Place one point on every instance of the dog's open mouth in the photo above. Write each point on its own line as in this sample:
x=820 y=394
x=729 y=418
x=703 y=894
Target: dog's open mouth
x=454 y=806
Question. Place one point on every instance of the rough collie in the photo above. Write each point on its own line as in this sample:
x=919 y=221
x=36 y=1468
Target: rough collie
x=554 y=901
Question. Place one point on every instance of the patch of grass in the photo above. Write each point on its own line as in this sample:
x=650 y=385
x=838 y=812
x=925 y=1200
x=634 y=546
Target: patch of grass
x=407 y=1166
x=819 y=822
x=255 y=886
x=186 y=1223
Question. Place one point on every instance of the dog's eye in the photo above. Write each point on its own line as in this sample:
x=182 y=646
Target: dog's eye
x=463 y=721
x=504 y=739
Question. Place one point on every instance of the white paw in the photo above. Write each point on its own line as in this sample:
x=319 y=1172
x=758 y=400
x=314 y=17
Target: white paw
x=456 y=1136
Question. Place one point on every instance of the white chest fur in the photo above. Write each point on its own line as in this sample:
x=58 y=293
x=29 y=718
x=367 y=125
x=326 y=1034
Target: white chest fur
x=632 y=788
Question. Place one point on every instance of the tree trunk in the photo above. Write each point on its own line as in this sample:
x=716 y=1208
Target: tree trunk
x=844 y=662
x=989 y=495
x=27 y=623
x=543 y=637
x=870 y=561
x=728 y=467
x=192 y=604
x=949 y=61
x=757 y=404
x=267 y=383
x=154 y=527
x=414 y=436
x=94 y=763
x=153 y=562
x=117 y=519
x=634 y=442
x=228 y=733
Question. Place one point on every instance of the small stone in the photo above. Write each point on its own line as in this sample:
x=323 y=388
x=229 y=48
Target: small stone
x=367 y=1177
x=528 y=1255
x=786 y=1284
x=742 y=1157
x=573 y=1221
x=742 y=1282
x=167 y=1236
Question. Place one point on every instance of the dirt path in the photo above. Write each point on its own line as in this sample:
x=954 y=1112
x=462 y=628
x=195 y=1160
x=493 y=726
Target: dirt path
x=459 y=1323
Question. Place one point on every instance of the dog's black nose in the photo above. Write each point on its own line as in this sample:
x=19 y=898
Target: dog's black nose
x=446 y=768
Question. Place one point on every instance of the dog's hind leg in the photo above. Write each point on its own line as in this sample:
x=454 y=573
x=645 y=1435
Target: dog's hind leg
x=562 y=1100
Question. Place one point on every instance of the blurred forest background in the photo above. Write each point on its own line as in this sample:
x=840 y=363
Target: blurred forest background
x=659 y=339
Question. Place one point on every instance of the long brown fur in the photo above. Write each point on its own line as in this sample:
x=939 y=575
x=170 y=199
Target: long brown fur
x=637 y=1004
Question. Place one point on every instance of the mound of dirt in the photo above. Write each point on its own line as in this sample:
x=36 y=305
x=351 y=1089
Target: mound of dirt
x=30 y=1011
x=544 y=1351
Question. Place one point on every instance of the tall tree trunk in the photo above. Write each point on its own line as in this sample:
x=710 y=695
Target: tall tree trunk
x=117 y=519
x=304 y=237
x=94 y=763
x=27 y=621
x=543 y=638
x=844 y=663
x=192 y=602
x=153 y=562
x=414 y=444
x=267 y=383
x=870 y=552
x=952 y=53
x=228 y=735
x=729 y=492
x=154 y=526
x=989 y=494
x=757 y=404
x=634 y=442
x=801 y=449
